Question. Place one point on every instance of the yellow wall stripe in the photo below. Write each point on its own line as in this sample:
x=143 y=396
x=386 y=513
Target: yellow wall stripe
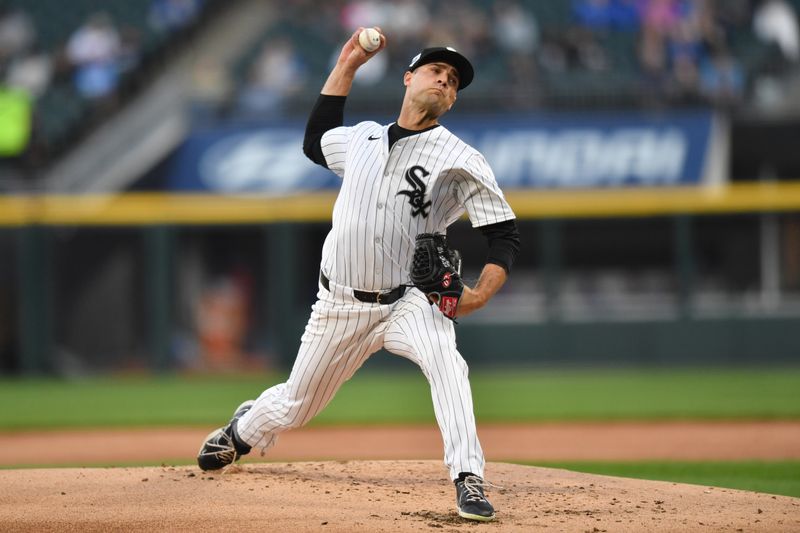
x=163 y=208
x=160 y=208
x=739 y=198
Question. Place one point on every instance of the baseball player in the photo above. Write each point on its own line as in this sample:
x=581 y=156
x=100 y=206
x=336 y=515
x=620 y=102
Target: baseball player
x=403 y=184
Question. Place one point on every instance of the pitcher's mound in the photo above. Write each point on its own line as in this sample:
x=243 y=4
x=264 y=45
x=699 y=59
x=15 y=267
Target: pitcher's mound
x=370 y=496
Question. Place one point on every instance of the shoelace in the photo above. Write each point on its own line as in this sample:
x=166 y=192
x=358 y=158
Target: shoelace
x=473 y=486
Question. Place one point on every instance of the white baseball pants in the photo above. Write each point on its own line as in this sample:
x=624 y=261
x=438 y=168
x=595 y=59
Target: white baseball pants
x=341 y=334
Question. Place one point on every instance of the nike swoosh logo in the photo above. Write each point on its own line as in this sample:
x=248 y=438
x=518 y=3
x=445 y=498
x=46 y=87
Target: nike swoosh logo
x=371 y=138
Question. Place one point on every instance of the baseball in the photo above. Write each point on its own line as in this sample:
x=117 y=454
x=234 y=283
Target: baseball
x=369 y=39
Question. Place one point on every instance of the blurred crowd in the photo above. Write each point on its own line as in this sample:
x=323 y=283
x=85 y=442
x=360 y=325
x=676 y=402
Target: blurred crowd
x=95 y=55
x=89 y=66
x=528 y=54
x=672 y=52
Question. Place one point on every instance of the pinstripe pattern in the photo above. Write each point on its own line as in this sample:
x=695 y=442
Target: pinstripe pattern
x=369 y=248
x=341 y=334
x=371 y=243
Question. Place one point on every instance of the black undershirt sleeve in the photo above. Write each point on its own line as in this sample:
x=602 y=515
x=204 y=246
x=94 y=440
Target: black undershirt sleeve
x=328 y=113
x=504 y=243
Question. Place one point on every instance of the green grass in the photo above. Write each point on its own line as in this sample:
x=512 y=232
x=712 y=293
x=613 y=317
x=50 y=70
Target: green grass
x=774 y=477
x=404 y=397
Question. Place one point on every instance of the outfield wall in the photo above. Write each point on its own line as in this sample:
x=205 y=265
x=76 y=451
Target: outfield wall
x=688 y=276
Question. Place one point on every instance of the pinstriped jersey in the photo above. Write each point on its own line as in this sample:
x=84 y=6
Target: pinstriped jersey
x=424 y=183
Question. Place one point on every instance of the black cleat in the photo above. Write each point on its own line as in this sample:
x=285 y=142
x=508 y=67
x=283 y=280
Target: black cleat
x=472 y=503
x=220 y=449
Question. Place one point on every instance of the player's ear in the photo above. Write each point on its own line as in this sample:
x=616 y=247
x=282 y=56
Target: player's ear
x=407 y=78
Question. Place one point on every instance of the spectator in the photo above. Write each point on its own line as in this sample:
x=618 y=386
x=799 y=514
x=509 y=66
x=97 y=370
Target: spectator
x=685 y=42
x=408 y=23
x=731 y=15
x=660 y=16
x=277 y=73
x=584 y=51
x=652 y=57
x=686 y=50
x=684 y=87
x=711 y=28
x=94 y=51
x=324 y=19
x=31 y=72
x=515 y=28
x=722 y=78
x=605 y=15
x=775 y=21
x=593 y=15
x=130 y=47
x=407 y=20
x=166 y=16
x=17 y=33
x=517 y=34
x=625 y=15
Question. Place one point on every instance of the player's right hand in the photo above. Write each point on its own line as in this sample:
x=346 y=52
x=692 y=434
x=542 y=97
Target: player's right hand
x=353 y=55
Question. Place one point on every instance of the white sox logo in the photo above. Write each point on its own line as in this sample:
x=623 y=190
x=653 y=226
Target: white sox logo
x=416 y=196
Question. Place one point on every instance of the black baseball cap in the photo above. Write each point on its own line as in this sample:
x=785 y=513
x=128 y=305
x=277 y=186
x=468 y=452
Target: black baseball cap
x=445 y=54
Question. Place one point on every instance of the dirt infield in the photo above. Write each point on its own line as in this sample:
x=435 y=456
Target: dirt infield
x=396 y=496
x=410 y=492
x=543 y=442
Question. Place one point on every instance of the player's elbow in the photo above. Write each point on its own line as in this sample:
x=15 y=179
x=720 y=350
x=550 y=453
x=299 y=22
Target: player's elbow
x=504 y=244
x=312 y=147
x=308 y=147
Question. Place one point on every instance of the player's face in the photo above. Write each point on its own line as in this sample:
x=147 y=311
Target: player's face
x=433 y=86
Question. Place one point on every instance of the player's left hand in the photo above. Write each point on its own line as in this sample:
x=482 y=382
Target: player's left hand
x=435 y=270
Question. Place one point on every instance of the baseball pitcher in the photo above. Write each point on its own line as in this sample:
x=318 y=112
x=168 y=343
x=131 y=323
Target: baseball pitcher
x=388 y=278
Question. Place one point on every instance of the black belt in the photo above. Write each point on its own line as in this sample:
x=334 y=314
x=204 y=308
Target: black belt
x=384 y=298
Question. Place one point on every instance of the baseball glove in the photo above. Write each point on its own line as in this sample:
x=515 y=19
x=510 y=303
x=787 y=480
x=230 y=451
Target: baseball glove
x=436 y=271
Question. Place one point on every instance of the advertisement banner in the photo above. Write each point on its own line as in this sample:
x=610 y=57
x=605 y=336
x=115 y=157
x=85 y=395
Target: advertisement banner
x=571 y=150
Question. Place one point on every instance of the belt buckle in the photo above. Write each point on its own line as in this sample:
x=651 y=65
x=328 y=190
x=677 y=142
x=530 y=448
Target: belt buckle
x=378 y=297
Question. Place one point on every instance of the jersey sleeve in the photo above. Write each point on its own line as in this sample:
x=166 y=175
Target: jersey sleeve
x=483 y=200
x=334 y=147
